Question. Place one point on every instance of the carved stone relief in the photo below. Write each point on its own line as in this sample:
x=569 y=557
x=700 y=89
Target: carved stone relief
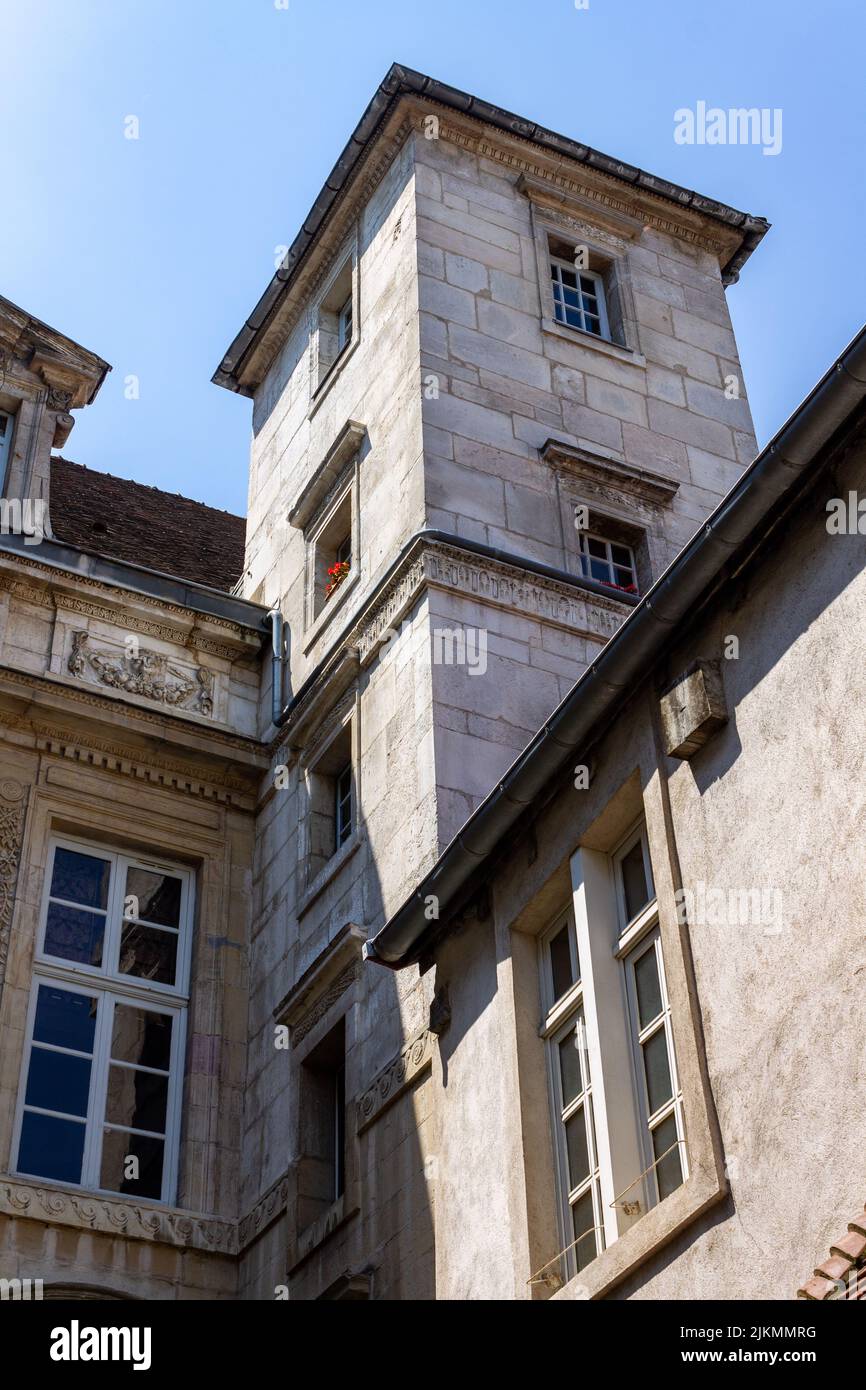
x=144 y=672
x=13 y=804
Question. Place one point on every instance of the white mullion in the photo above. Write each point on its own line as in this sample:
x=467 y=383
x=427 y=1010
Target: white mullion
x=91 y=1163
x=171 y=1149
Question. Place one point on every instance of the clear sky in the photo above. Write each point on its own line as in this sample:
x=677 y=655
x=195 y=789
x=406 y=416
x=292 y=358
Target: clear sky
x=151 y=252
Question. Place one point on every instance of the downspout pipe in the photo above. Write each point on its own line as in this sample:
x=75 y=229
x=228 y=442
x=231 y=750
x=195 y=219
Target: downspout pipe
x=280 y=713
x=631 y=652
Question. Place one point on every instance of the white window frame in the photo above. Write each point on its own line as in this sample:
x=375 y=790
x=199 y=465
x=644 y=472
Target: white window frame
x=583 y=538
x=607 y=946
x=344 y=822
x=651 y=941
x=557 y=265
x=111 y=988
x=563 y=1016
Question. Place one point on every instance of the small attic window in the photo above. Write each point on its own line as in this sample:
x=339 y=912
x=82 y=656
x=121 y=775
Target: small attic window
x=335 y=319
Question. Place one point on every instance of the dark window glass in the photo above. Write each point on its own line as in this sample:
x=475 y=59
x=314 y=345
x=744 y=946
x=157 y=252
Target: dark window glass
x=51 y=1148
x=156 y=895
x=65 y=1019
x=569 y=1067
x=148 y=952
x=578 y=1152
x=74 y=934
x=118 y=1146
x=560 y=963
x=80 y=878
x=584 y=1230
x=141 y=1036
x=657 y=1069
x=56 y=1081
x=137 y=1099
x=634 y=881
x=647 y=987
x=669 y=1173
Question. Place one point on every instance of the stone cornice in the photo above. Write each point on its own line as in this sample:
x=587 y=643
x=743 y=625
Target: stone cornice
x=66 y=584
x=654 y=488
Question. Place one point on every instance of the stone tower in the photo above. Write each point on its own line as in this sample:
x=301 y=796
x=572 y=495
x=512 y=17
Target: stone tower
x=495 y=390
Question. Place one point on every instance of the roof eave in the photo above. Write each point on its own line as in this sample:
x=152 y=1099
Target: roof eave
x=400 y=81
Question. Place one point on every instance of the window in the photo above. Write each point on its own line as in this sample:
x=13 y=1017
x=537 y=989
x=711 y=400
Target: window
x=571 y=1094
x=331 y=784
x=6 y=423
x=578 y=297
x=343 y=805
x=344 y=325
x=615 y=1098
x=322 y=1163
x=331 y=548
x=100 y=1097
x=334 y=320
x=609 y=562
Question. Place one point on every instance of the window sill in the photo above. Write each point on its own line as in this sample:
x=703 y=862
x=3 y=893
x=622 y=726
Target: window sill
x=332 y=374
x=592 y=340
x=88 y=1209
x=321 y=1230
x=332 y=605
x=329 y=872
x=646 y=1237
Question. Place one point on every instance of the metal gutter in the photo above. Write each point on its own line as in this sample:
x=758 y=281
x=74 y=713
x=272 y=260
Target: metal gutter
x=280 y=713
x=632 y=650
x=401 y=81
x=157 y=584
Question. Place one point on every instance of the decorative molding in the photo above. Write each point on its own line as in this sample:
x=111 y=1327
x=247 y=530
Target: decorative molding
x=268 y=1209
x=123 y=597
x=654 y=488
x=416 y=1056
x=220 y=738
x=166 y=1226
x=508 y=587
x=325 y=981
x=558 y=201
x=595 y=189
x=329 y=475
x=396 y=600
x=325 y=1001
x=116 y=1217
x=13 y=806
x=148 y=674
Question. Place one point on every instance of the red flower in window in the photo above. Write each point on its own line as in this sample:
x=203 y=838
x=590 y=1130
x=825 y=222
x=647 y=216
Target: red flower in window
x=336 y=574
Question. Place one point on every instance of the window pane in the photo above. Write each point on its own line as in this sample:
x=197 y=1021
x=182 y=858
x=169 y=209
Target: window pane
x=141 y=1036
x=635 y=886
x=657 y=1070
x=148 y=952
x=57 y=1081
x=583 y=1220
x=118 y=1147
x=560 y=963
x=137 y=1098
x=51 y=1148
x=578 y=1154
x=600 y=570
x=569 y=1066
x=620 y=555
x=74 y=935
x=80 y=878
x=65 y=1019
x=596 y=547
x=670 y=1171
x=158 y=896
x=649 y=994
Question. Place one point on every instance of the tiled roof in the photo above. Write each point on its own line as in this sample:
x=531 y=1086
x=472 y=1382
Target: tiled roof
x=160 y=530
x=844 y=1274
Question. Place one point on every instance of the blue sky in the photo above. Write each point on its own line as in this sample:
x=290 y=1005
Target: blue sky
x=152 y=252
